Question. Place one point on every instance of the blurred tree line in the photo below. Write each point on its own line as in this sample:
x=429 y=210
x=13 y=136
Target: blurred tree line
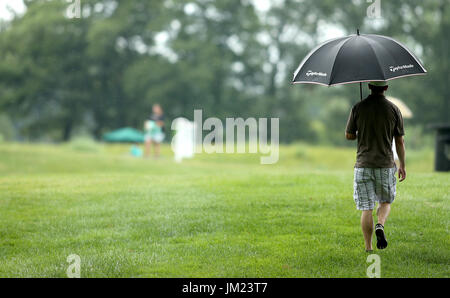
x=60 y=76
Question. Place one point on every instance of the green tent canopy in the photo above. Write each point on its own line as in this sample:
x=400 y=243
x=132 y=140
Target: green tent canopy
x=124 y=135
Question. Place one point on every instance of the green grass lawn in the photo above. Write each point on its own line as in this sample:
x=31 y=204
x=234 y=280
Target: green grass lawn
x=212 y=216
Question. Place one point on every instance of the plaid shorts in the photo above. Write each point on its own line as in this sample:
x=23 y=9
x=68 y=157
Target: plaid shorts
x=373 y=185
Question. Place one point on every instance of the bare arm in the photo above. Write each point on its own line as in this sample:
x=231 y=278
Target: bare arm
x=400 y=147
x=350 y=136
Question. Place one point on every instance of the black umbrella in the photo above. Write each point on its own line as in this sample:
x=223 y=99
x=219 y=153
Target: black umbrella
x=357 y=58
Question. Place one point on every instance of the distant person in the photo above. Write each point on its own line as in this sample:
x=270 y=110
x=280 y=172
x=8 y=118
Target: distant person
x=154 y=131
x=376 y=122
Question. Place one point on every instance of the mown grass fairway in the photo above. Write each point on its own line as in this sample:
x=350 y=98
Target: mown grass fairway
x=213 y=216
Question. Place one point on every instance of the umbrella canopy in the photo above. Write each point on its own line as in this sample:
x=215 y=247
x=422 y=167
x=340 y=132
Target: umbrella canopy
x=357 y=58
x=124 y=135
x=406 y=112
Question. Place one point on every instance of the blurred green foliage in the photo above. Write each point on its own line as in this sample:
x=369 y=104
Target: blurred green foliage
x=7 y=131
x=105 y=70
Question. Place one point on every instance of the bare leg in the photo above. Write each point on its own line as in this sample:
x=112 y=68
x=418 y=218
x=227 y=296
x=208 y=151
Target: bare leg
x=157 y=149
x=148 y=144
x=383 y=212
x=367 y=228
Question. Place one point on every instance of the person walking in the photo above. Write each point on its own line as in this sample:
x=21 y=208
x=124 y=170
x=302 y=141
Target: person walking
x=154 y=131
x=375 y=122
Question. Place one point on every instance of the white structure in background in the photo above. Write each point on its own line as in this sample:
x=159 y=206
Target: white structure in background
x=183 y=142
x=406 y=113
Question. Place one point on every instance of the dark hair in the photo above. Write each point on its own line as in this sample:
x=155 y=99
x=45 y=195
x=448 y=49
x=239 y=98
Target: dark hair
x=377 y=89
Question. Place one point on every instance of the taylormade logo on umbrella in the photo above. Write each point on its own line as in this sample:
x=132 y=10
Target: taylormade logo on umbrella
x=400 y=67
x=313 y=73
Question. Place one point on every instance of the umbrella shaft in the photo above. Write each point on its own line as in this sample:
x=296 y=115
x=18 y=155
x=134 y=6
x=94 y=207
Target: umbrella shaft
x=360 y=90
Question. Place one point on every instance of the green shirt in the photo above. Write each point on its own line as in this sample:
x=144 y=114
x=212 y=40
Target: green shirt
x=376 y=121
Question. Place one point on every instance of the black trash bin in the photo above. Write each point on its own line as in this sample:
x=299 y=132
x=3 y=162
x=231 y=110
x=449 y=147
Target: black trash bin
x=442 y=149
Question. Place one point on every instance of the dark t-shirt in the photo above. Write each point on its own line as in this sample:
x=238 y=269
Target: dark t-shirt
x=158 y=118
x=377 y=121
